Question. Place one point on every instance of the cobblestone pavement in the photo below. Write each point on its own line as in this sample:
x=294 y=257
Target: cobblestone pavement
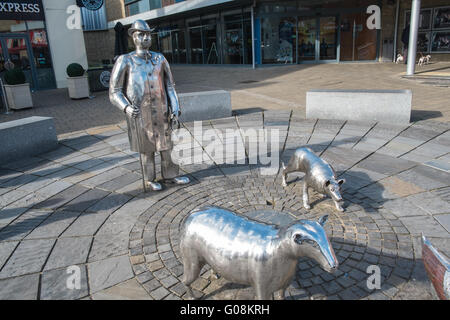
x=83 y=205
x=266 y=88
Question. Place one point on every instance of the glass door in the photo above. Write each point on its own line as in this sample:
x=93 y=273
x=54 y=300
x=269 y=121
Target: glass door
x=317 y=39
x=17 y=49
x=328 y=38
x=307 y=36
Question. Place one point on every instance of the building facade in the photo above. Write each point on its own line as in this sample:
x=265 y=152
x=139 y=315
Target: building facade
x=44 y=36
x=34 y=36
x=265 y=32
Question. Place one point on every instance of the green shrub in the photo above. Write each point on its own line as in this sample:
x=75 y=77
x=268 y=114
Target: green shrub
x=14 y=77
x=75 y=70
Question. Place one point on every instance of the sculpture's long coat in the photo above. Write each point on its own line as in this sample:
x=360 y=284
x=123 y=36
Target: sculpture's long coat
x=148 y=85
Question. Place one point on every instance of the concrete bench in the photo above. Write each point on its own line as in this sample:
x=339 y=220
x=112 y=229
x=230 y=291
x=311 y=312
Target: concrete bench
x=205 y=105
x=389 y=106
x=26 y=137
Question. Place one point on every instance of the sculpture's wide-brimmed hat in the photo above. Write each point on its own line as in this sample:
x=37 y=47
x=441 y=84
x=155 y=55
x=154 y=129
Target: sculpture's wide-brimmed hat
x=139 y=25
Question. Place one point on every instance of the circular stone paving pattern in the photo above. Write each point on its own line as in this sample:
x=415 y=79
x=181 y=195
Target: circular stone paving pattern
x=359 y=237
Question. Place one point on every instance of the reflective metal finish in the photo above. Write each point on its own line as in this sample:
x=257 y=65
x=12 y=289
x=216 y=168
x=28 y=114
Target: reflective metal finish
x=248 y=252
x=319 y=175
x=142 y=86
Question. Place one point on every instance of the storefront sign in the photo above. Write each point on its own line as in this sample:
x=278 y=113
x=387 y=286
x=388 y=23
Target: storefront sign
x=90 y=4
x=21 y=10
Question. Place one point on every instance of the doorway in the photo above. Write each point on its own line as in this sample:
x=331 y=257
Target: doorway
x=317 y=39
x=16 y=48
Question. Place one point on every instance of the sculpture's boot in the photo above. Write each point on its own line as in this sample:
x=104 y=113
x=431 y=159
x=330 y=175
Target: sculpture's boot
x=180 y=180
x=155 y=186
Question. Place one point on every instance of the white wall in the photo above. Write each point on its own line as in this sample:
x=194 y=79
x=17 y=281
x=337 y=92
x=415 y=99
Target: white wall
x=66 y=45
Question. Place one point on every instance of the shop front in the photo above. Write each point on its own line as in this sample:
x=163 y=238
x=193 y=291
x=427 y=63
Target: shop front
x=292 y=33
x=24 y=42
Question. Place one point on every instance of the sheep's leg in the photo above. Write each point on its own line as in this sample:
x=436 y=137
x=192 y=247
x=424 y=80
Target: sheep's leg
x=192 y=268
x=291 y=167
x=306 y=196
x=280 y=294
x=262 y=293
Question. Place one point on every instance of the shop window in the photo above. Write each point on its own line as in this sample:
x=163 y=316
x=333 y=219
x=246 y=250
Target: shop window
x=133 y=7
x=278 y=40
x=434 y=30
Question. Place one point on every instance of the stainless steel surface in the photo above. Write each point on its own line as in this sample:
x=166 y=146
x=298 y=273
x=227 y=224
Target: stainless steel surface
x=319 y=175
x=248 y=252
x=142 y=86
x=437 y=267
x=181 y=180
x=413 y=34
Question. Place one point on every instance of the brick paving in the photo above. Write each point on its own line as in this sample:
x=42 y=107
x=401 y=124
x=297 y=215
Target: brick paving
x=83 y=205
x=266 y=88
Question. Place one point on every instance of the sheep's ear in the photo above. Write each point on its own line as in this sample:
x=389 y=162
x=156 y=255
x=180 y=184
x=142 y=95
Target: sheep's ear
x=298 y=238
x=327 y=183
x=341 y=182
x=322 y=220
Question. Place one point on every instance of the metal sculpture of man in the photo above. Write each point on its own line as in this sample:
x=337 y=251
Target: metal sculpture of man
x=142 y=86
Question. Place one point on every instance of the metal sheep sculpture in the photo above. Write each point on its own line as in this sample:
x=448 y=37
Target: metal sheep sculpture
x=319 y=175
x=248 y=252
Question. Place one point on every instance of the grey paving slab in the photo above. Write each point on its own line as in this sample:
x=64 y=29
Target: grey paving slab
x=128 y=290
x=428 y=225
x=68 y=252
x=54 y=225
x=85 y=200
x=109 y=272
x=444 y=220
x=426 y=178
x=430 y=202
x=120 y=182
x=62 y=198
x=106 y=246
x=23 y=225
x=12 y=196
x=54 y=285
x=104 y=177
x=29 y=257
x=87 y=224
x=6 y=249
x=109 y=204
x=53 y=188
x=18 y=181
x=384 y=164
x=404 y=208
x=20 y=288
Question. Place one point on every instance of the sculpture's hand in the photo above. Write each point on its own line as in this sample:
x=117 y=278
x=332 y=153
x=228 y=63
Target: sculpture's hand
x=132 y=111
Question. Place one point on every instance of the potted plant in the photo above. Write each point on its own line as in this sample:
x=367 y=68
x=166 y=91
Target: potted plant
x=17 y=89
x=77 y=81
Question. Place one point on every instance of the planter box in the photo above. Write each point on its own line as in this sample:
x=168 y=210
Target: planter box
x=19 y=96
x=205 y=105
x=78 y=87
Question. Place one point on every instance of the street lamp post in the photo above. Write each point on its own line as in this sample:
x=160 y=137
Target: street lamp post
x=413 y=32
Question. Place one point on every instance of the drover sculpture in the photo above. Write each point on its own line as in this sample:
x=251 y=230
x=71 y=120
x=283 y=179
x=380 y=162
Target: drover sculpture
x=142 y=86
x=319 y=175
x=249 y=252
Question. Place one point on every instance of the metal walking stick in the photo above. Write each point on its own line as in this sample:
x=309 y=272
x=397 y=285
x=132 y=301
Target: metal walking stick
x=140 y=154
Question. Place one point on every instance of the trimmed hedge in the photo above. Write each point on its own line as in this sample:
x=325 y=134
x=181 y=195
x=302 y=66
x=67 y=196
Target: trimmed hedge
x=75 y=70
x=14 y=77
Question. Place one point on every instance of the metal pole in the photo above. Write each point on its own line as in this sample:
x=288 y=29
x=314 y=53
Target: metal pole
x=413 y=31
x=253 y=37
x=140 y=154
x=397 y=12
x=5 y=99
